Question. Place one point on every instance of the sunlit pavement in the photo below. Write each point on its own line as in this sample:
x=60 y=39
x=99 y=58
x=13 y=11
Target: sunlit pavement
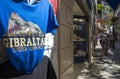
x=103 y=67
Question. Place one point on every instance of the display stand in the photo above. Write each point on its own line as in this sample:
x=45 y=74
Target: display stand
x=79 y=30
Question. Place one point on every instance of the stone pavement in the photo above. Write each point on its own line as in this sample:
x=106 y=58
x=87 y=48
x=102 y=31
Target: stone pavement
x=103 y=67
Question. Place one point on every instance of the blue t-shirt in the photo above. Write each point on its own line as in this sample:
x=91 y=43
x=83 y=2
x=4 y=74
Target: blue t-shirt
x=22 y=31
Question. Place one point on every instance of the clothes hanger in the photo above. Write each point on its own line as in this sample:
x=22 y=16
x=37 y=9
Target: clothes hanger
x=28 y=1
x=32 y=1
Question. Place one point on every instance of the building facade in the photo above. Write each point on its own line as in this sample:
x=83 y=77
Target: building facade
x=65 y=46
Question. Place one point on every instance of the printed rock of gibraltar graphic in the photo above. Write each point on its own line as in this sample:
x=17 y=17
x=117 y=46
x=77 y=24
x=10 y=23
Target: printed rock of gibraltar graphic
x=17 y=26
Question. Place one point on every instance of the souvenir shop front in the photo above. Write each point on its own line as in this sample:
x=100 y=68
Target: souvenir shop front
x=75 y=35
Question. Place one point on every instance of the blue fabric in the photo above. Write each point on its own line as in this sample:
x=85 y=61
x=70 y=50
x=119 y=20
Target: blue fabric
x=22 y=29
x=113 y=3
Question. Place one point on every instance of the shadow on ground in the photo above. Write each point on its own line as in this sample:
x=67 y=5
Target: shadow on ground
x=103 y=67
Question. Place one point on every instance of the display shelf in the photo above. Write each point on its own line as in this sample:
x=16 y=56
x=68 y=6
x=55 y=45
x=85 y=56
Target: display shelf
x=79 y=41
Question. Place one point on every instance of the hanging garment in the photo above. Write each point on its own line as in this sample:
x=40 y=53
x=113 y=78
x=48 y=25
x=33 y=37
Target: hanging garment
x=44 y=70
x=49 y=44
x=54 y=3
x=22 y=31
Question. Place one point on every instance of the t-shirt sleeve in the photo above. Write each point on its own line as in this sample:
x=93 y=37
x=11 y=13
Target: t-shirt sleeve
x=52 y=22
